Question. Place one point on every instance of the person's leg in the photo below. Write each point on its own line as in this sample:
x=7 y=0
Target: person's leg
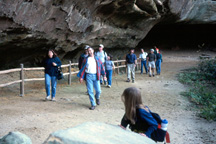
x=89 y=82
x=156 y=64
x=133 y=72
x=53 y=85
x=146 y=69
x=109 y=78
x=159 y=67
x=97 y=89
x=47 y=85
x=101 y=79
x=128 y=72
x=142 y=62
x=150 y=69
x=153 y=68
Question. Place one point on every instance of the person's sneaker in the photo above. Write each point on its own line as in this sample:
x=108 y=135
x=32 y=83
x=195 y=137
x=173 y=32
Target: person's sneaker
x=109 y=86
x=98 y=101
x=149 y=75
x=47 y=98
x=128 y=80
x=92 y=108
x=53 y=99
x=153 y=75
x=133 y=81
x=105 y=82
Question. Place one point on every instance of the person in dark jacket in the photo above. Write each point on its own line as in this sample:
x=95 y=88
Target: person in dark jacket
x=158 y=61
x=83 y=56
x=137 y=115
x=51 y=64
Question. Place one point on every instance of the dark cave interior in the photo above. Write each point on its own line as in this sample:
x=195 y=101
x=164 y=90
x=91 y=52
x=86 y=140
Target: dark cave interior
x=185 y=36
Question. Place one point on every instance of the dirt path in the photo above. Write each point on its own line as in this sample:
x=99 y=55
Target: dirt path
x=37 y=119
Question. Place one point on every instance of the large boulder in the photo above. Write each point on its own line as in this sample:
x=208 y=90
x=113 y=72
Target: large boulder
x=15 y=138
x=96 y=133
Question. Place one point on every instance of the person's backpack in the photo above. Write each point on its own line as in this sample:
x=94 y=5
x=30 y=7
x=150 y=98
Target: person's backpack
x=159 y=135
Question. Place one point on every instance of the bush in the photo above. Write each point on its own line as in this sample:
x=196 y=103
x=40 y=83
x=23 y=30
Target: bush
x=202 y=92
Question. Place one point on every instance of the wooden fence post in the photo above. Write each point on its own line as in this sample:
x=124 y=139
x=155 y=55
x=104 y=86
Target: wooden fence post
x=69 y=77
x=22 y=82
x=117 y=67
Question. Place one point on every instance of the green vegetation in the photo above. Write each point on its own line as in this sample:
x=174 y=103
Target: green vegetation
x=202 y=81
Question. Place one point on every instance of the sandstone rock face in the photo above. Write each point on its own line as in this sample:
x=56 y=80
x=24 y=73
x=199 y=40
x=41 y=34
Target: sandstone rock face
x=96 y=133
x=194 y=11
x=28 y=28
x=15 y=138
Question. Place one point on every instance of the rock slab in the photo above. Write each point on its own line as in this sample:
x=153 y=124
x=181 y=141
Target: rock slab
x=96 y=133
x=15 y=138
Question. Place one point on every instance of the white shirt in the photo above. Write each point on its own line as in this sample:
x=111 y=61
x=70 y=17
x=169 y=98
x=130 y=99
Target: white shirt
x=91 y=66
x=143 y=56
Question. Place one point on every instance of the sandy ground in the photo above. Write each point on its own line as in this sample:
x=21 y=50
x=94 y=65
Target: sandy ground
x=36 y=118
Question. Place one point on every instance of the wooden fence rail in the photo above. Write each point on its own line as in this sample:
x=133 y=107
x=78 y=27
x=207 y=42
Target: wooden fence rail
x=69 y=73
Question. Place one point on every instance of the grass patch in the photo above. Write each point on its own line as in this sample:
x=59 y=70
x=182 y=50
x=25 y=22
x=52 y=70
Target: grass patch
x=201 y=81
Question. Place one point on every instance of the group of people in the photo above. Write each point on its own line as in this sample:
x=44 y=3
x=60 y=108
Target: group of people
x=96 y=68
x=153 y=59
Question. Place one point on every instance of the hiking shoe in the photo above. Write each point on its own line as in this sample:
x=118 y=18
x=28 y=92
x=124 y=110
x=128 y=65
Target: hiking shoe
x=53 y=99
x=109 y=86
x=47 y=98
x=98 y=101
x=128 y=80
x=92 y=108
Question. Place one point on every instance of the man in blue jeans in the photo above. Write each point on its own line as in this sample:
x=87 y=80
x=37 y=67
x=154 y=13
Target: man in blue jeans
x=92 y=69
x=142 y=57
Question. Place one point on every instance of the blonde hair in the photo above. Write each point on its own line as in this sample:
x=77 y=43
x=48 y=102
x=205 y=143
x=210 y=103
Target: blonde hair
x=132 y=99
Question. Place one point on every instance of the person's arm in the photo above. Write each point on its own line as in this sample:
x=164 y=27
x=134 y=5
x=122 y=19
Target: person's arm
x=57 y=62
x=152 y=123
x=155 y=57
x=81 y=73
x=124 y=122
x=113 y=65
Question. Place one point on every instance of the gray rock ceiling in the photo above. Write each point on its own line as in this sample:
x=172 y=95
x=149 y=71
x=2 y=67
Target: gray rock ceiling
x=29 y=27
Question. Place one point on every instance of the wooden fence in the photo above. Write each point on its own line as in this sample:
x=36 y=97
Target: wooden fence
x=22 y=80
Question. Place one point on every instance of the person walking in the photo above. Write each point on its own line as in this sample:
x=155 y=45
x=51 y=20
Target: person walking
x=151 y=59
x=158 y=61
x=51 y=64
x=131 y=61
x=142 y=57
x=109 y=66
x=92 y=69
x=102 y=55
x=83 y=56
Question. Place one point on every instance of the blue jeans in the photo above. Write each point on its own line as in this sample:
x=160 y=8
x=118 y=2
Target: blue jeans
x=158 y=66
x=53 y=80
x=144 y=63
x=109 y=76
x=102 y=78
x=92 y=82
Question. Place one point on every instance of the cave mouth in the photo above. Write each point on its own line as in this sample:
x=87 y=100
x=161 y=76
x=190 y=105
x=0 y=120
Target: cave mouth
x=169 y=36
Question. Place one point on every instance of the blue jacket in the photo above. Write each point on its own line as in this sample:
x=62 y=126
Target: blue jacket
x=49 y=68
x=144 y=122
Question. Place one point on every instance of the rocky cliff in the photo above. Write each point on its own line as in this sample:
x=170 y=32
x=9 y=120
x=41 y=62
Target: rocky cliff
x=29 y=27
